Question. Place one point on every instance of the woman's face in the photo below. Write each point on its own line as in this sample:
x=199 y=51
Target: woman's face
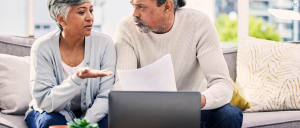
x=80 y=19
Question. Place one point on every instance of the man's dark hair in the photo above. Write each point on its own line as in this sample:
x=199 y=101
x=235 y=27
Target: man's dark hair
x=177 y=3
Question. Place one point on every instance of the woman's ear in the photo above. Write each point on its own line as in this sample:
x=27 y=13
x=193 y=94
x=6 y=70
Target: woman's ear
x=61 y=20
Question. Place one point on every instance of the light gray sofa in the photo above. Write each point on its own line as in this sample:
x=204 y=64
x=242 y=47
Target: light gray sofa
x=280 y=119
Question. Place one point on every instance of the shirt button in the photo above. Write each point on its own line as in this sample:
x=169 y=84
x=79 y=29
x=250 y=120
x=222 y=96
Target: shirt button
x=85 y=84
x=87 y=63
x=84 y=103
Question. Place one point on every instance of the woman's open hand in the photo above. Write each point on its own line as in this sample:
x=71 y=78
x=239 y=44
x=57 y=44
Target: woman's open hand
x=86 y=72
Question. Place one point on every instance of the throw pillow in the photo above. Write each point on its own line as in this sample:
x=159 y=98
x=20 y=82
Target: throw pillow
x=268 y=74
x=237 y=98
x=14 y=84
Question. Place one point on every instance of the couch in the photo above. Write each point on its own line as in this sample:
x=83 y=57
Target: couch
x=20 y=46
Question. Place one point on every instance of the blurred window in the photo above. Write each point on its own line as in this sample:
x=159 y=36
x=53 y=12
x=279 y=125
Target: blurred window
x=46 y=26
x=37 y=26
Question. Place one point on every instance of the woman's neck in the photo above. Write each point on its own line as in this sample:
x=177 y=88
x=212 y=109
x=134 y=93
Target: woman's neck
x=72 y=41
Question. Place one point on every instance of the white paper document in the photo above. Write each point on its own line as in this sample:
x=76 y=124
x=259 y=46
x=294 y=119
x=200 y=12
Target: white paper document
x=158 y=76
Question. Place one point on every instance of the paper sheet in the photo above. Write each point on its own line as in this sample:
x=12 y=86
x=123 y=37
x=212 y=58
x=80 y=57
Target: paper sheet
x=158 y=76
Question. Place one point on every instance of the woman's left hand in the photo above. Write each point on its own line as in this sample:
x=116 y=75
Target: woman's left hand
x=86 y=72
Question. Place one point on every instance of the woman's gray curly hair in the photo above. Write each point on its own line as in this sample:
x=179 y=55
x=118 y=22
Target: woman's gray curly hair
x=62 y=7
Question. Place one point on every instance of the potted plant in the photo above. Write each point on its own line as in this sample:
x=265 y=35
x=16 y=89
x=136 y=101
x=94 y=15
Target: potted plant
x=81 y=123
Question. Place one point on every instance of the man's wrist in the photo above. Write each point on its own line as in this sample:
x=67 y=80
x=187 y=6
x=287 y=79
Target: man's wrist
x=203 y=101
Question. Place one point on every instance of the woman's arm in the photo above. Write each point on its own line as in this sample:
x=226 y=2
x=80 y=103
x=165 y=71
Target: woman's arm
x=49 y=96
x=99 y=109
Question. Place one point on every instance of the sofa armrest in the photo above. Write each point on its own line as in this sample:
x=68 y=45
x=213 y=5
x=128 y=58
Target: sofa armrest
x=18 y=46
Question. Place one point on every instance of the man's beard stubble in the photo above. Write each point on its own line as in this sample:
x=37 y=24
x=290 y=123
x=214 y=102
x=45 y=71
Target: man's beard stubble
x=145 y=29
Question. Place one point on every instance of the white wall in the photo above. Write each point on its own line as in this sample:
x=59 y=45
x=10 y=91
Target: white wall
x=114 y=11
x=205 y=6
x=13 y=17
x=42 y=18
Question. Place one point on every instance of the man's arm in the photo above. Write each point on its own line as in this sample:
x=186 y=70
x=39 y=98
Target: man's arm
x=126 y=57
x=214 y=67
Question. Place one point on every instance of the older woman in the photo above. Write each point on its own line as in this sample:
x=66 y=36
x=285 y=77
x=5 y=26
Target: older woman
x=67 y=75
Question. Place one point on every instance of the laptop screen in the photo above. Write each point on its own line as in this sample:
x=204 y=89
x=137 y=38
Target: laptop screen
x=154 y=109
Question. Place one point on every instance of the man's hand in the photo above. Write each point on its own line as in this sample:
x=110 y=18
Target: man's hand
x=203 y=101
x=86 y=72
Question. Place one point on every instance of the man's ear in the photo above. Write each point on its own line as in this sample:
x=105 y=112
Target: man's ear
x=61 y=20
x=169 y=6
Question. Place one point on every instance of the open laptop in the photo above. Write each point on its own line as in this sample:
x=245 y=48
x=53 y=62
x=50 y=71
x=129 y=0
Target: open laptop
x=154 y=109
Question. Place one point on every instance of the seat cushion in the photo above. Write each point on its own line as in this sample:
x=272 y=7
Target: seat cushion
x=276 y=119
x=12 y=121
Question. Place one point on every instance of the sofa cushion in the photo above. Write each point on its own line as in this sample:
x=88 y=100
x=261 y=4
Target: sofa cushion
x=238 y=99
x=14 y=84
x=278 y=119
x=12 y=121
x=268 y=74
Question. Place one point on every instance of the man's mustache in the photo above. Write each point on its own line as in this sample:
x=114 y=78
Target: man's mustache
x=139 y=20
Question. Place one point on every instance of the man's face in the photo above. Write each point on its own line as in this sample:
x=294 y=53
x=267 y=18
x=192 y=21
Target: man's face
x=147 y=16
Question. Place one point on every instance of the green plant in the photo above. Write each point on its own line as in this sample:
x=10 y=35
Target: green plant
x=259 y=29
x=227 y=29
x=81 y=123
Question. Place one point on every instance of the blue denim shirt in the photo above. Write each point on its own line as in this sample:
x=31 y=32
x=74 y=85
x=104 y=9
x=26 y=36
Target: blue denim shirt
x=51 y=93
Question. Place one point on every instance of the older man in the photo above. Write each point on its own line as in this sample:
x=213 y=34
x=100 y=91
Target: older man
x=159 y=27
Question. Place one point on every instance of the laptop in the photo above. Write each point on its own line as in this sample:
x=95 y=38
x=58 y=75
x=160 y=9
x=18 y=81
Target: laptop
x=134 y=109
